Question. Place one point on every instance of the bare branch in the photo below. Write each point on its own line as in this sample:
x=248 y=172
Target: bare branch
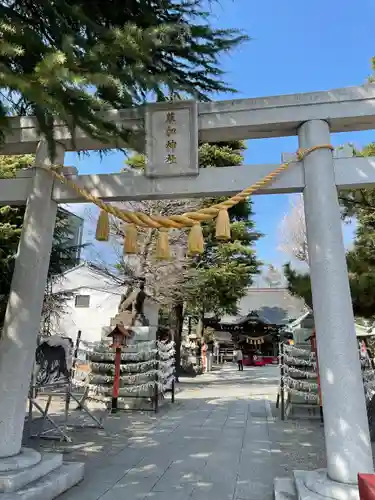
x=292 y=232
x=164 y=279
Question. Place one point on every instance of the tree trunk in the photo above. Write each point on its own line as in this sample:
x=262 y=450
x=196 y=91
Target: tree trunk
x=200 y=326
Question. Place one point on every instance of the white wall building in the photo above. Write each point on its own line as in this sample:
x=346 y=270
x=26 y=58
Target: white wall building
x=95 y=300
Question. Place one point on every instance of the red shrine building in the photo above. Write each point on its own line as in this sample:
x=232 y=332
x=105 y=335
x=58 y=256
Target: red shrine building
x=260 y=324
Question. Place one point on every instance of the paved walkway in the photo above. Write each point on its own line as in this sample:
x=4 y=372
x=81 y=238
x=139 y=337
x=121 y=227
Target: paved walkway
x=219 y=441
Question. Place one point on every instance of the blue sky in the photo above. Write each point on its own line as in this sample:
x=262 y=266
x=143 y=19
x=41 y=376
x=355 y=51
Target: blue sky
x=295 y=47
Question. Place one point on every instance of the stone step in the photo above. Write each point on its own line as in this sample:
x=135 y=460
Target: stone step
x=27 y=457
x=17 y=479
x=285 y=489
x=50 y=486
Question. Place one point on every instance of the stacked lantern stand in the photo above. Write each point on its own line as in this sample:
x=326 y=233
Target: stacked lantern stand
x=298 y=380
x=140 y=381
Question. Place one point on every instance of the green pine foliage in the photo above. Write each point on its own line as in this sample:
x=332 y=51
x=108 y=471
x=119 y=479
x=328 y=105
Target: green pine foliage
x=358 y=201
x=10 y=229
x=359 y=204
x=75 y=60
x=372 y=76
x=298 y=284
x=11 y=220
x=220 y=277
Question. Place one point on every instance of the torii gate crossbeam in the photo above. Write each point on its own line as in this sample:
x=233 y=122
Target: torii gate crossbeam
x=346 y=109
x=350 y=173
x=313 y=117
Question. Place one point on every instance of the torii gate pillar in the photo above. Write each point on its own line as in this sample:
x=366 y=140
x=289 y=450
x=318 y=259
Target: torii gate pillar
x=23 y=467
x=22 y=318
x=348 y=446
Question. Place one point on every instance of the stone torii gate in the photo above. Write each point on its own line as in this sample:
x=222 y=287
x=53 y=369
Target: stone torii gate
x=172 y=131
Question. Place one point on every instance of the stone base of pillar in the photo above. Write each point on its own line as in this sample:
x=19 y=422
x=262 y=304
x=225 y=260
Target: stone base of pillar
x=32 y=476
x=313 y=485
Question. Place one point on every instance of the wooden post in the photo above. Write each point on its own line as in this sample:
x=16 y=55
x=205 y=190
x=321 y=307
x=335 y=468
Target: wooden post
x=116 y=381
x=315 y=350
x=69 y=386
x=156 y=392
x=282 y=395
x=173 y=389
x=78 y=341
x=75 y=354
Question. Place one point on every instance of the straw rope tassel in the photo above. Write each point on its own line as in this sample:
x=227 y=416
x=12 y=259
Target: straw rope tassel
x=102 y=227
x=195 y=240
x=130 y=241
x=223 y=226
x=163 y=251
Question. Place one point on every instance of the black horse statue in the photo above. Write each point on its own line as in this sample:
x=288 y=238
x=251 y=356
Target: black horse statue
x=53 y=361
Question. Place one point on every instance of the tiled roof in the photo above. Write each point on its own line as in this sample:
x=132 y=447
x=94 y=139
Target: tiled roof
x=272 y=305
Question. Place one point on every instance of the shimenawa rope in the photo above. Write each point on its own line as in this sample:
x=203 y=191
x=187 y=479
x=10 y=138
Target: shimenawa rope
x=188 y=219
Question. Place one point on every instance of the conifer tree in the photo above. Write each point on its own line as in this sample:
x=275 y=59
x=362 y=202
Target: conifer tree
x=359 y=204
x=220 y=276
x=75 y=60
x=63 y=255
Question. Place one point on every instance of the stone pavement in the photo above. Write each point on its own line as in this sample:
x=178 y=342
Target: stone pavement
x=222 y=440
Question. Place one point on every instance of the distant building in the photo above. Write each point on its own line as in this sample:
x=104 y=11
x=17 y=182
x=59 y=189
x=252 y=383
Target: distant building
x=272 y=305
x=260 y=321
x=73 y=235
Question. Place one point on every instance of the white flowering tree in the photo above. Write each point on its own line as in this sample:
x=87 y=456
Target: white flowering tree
x=292 y=232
